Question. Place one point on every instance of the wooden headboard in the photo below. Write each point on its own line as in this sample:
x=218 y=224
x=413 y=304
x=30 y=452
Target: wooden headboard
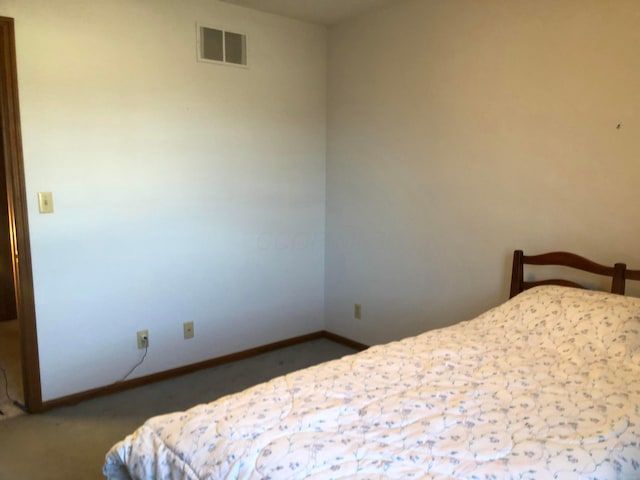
x=632 y=274
x=618 y=272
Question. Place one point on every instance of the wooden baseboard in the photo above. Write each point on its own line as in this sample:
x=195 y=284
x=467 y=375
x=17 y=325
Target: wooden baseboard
x=194 y=367
x=344 y=341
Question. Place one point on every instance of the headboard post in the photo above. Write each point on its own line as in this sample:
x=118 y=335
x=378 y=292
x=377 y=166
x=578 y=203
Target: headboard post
x=618 y=282
x=517 y=273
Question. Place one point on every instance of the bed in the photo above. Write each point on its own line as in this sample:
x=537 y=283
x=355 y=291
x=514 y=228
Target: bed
x=546 y=385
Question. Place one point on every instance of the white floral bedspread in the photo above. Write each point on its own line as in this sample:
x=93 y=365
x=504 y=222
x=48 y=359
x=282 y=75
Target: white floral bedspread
x=546 y=385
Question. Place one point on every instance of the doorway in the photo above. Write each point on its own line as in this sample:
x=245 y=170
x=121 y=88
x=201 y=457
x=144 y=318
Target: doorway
x=17 y=220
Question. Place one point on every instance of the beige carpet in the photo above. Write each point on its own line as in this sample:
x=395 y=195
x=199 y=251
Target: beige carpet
x=70 y=443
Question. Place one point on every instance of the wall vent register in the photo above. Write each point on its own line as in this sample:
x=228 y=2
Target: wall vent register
x=220 y=46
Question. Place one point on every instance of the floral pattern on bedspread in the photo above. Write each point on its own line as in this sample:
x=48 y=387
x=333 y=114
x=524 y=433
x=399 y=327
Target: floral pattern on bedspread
x=546 y=385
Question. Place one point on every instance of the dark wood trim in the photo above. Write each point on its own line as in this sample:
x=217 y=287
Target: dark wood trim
x=344 y=341
x=18 y=218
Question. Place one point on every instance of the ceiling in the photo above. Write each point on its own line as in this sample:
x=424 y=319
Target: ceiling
x=325 y=12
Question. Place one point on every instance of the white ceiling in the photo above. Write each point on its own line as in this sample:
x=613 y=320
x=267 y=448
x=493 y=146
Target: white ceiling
x=325 y=12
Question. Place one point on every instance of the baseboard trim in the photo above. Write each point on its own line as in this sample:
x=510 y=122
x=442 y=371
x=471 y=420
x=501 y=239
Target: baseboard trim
x=194 y=367
x=344 y=341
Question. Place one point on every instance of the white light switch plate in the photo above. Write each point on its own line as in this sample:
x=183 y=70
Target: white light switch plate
x=45 y=202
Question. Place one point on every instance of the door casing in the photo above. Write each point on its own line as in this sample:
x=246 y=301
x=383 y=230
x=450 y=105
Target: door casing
x=18 y=217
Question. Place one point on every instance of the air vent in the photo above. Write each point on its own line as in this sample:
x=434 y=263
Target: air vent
x=220 y=46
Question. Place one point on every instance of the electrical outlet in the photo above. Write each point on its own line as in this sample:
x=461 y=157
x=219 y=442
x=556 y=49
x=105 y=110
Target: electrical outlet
x=357 y=311
x=143 y=339
x=188 y=329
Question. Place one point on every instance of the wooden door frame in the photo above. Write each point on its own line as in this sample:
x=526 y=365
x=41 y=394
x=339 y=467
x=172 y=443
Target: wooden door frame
x=18 y=217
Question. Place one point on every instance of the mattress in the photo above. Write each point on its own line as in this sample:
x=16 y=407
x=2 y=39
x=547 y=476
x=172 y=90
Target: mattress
x=546 y=385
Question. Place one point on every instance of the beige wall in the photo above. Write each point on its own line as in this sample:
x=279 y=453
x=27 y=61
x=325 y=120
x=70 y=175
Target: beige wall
x=184 y=191
x=461 y=130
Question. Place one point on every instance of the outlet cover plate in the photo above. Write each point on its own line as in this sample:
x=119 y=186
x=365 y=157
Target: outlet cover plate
x=188 y=330
x=143 y=339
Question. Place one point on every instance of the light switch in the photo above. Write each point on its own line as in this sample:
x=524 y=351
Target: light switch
x=45 y=202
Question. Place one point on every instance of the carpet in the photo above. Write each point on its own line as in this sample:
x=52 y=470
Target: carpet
x=71 y=442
